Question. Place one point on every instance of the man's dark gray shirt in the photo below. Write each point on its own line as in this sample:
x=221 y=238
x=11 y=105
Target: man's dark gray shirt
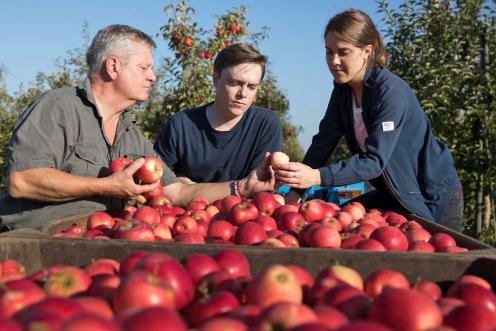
x=63 y=130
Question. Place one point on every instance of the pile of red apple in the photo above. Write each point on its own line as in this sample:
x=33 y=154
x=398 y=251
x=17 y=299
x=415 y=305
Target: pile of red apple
x=266 y=221
x=153 y=291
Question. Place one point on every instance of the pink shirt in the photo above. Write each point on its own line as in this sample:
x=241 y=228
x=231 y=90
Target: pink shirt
x=360 y=130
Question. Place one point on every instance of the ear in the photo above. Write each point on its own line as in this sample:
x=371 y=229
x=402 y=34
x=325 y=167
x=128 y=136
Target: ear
x=367 y=51
x=112 y=67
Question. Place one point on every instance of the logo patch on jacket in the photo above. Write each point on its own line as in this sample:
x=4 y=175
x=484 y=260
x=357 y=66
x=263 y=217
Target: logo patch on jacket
x=387 y=126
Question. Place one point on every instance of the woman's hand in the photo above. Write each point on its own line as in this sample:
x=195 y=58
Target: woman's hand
x=297 y=175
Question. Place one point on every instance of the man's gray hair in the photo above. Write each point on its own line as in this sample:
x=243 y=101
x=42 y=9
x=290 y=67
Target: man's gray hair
x=110 y=40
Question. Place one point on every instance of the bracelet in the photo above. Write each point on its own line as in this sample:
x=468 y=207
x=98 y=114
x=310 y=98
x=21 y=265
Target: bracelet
x=235 y=188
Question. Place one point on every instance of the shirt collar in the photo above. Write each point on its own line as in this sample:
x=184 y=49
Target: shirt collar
x=127 y=117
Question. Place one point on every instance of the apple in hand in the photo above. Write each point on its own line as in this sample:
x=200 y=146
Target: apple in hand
x=119 y=164
x=277 y=158
x=151 y=171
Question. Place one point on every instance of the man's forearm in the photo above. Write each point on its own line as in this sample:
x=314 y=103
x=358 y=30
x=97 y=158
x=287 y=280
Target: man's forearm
x=47 y=184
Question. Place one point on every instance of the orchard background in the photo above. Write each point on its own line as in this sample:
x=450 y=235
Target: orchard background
x=443 y=48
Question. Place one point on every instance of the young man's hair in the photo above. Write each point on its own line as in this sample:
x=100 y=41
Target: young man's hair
x=238 y=54
x=116 y=40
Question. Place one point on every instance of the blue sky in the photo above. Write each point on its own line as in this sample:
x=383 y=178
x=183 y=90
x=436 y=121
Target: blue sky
x=34 y=33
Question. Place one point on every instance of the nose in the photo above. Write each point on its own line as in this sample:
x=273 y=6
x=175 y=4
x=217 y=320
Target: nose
x=242 y=91
x=334 y=59
x=151 y=76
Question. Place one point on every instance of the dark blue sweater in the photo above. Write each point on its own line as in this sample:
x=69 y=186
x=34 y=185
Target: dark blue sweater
x=191 y=147
x=402 y=156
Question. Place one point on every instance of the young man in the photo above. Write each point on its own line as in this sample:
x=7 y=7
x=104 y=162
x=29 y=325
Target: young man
x=63 y=142
x=228 y=138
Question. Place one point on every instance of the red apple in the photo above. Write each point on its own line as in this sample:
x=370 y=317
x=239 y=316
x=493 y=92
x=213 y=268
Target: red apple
x=199 y=215
x=151 y=171
x=199 y=265
x=198 y=203
x=421 y=246
x=332 y=222
x=430 y=288
x=293 y=221
x=325 y=237
x=96 y=306
x=267 y=222
x=365 y=325
x=9 y=325
x=405 y=309
x=223 y=323
x=185 y=225
x=288 y=240
x=272 y=242
x=330 y=317
x=130 y=261
x=472 y=293
x=135 y=231
x=91 y=322
x=189 y=238
x=417 y=234
x=174 y=274
x=370 y=245
x=284 y=209
x=228 y=202
x=391 y=237
x=279 y=198
x=441 y=241
x=102 y=266
x=161 y=200
x=265 y=203
x=147 y=215
x=349 y=300
x=249 y=233
x=158 y=192
x=220 y=229
x=364 y=230
x=154 y=319
x=67 y=281
x=304 y=236
x=140 y=289
x=471 y=317
x=355 y=210
x=285 y=316
x=350 y=240
x=17 y=294
x=234 y=262
x=345 y=218
x=51 y=310
x=119 y=164
x=377 y=281
x=103 y=286
x=100 y=219
x=312 y=211
x=162 y=231
x=205 y=308
x=243 y=212
x=448 y=304
x=274 y=284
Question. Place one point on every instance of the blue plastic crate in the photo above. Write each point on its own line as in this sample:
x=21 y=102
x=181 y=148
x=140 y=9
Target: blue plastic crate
x=338 y=195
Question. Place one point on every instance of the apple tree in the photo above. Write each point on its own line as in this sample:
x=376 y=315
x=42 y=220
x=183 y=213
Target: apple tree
x=445 y=50
x=186 y=77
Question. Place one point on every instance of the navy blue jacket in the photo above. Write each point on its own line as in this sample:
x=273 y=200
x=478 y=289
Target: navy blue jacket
x=401 y=151
x=191 y=147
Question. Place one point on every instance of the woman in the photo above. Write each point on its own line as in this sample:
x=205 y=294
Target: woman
x=387 y=131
